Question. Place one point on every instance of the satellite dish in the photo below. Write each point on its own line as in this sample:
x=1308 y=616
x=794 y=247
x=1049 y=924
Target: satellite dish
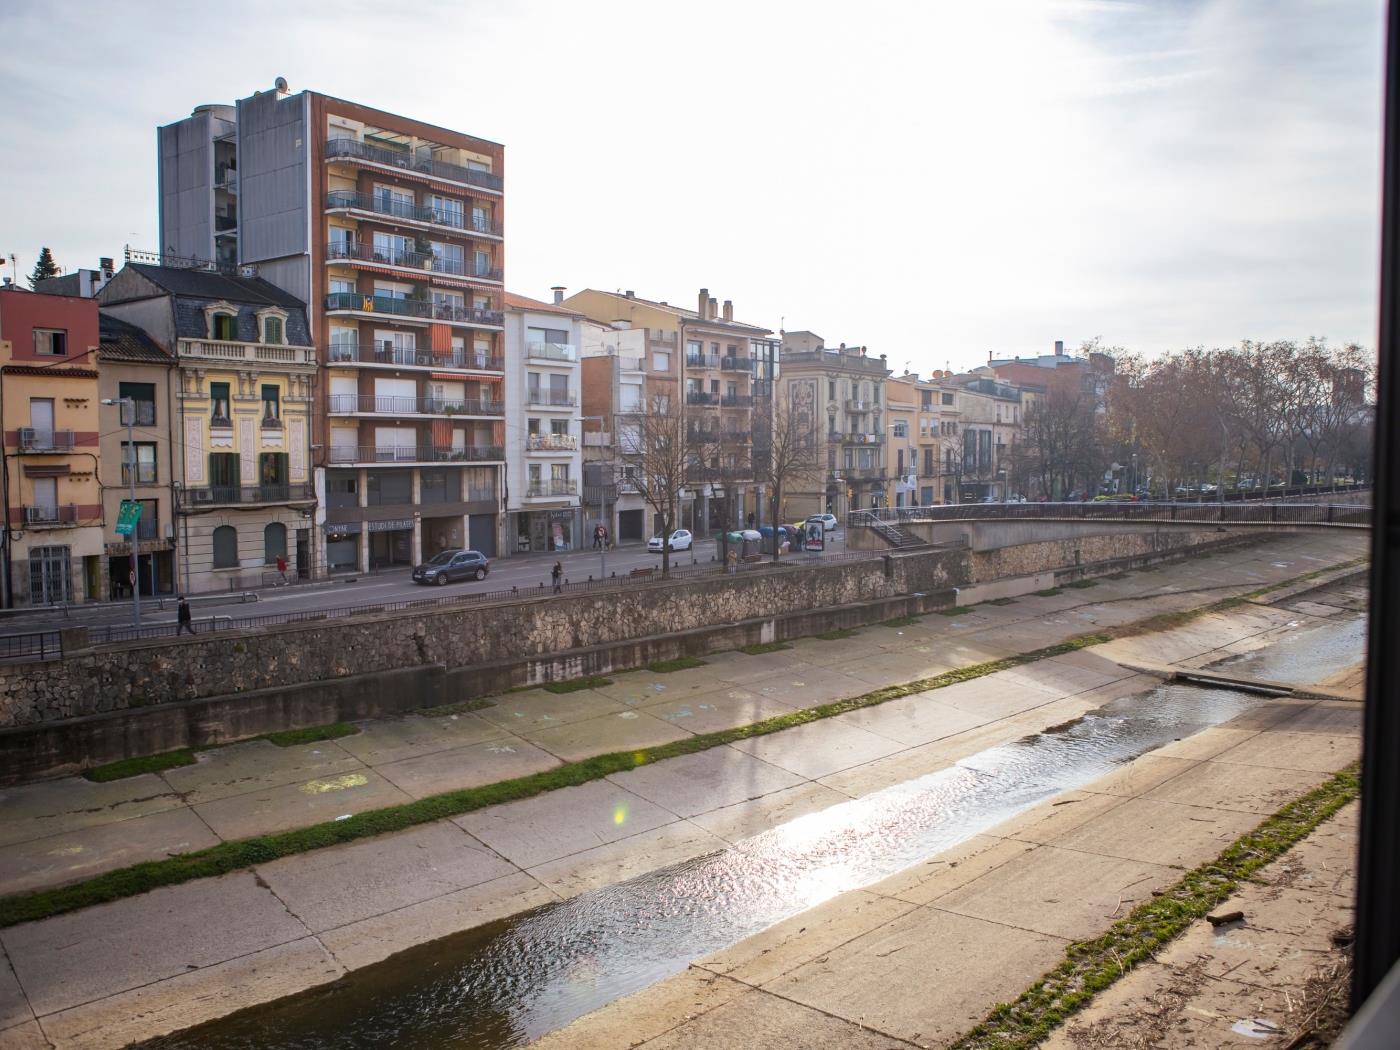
x=281 y=83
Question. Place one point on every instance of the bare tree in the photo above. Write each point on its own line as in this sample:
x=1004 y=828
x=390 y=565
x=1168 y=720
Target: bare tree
x=792 y=453
x=666 y=455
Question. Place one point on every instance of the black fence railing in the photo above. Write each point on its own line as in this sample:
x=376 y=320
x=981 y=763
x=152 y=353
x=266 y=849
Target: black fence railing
x=345 y=351
x=210 y=495
x=34 y=645
x=356 y=150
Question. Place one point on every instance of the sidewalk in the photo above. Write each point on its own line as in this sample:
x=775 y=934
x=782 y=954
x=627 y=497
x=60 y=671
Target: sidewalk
x=174 y=957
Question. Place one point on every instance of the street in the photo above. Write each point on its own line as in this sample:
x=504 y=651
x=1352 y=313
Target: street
x=525 y=571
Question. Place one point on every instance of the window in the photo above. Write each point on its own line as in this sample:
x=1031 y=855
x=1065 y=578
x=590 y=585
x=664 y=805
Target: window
x=272 y=330
x=224 y=476
x=394 y=201
x=391 y=248
x=225 y=547
x=693 y=348
x=547 y=335
x=145 y=463
x=50 y=342
x=660 y=361
x=559 y=427
x=272 y=407
x=481 y=263
x=446 y=211
x=831 y=390
x=221 y=326
x=449 y=258
x=901 y=429
x=148 y=525
x=218 y=404
x=274 y=542
x=342 y=286
x=947 y=398
x=440 y=486
x=45 y=498
x=342 y=489
x=272 y=475
x=481 y=218
x=143 y=396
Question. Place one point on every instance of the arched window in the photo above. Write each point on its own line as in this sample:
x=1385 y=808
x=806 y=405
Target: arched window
x=274 y=542
x=225 y=547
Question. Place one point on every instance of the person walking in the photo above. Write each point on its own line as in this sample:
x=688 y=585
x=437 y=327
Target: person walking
x=282 y=567
x=556 y=574
x=598 y=537
x=183 y=616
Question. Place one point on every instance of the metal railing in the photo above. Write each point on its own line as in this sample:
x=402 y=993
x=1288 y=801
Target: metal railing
x=551 y=488
x=38 y=439
x=551 y=442
x=702 y=360
x=388 y=354
x=33 y=645
x=355 y=150
x=347 y=404
x=209 y=495
x=414 y=454
x=366 y=302
x=1217 y=513
x=736 y=364
x=447 y=218
x=856 y=405
x=66 y=514
x=736 y=401
x=359 y=251
x=551 y=351
x=700 y=397
x=550 y=399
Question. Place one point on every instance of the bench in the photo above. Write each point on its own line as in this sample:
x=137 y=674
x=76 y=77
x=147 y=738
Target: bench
x=647 y=571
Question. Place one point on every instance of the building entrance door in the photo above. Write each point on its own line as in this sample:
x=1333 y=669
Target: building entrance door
x=48 y=576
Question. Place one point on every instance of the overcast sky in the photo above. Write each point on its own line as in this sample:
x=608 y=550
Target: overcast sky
x=934 y=180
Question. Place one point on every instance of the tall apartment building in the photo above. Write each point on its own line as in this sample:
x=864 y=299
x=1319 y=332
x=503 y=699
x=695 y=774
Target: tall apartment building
x=544 y=461
x=843 y=391
x=391 y=231
x=711 y=356
x=50 y=418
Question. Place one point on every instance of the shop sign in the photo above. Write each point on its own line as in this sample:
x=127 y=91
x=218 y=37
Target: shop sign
x=390 y=526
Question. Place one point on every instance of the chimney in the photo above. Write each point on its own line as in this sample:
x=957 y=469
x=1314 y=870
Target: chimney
x=989 y=353
x=630 y=294
x=729 y=309
x=704 y=303
x=714 y=309
x=1059 y=348
x=105 y=265
x=558 y=291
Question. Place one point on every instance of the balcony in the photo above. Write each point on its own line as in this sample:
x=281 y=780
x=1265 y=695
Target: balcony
x=551 y=443
x=699 y=397
x=410 y=212
x=368 y=454
x=662 y=339
x=216 y=495
x=737 y=401
x=736 y=437
x=549 y=399
x=51 y=516
x=854 y=438
x=417 y=309
x=541 y=489
x=225 y=223
x=551 y=352
x=351 y=149
x=737 y=364
x=864 y=473
x=702 y=434
x=701 y=360
x=343 y=353
x=854 y=405
x=252 y=353
x=361 y=252
x=373 y=404
x=40 y=439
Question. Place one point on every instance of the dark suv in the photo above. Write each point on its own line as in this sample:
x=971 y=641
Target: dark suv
x=453 y=565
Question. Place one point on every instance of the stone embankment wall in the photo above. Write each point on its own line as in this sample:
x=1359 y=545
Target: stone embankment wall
x=170 y=670
x=1025 y=558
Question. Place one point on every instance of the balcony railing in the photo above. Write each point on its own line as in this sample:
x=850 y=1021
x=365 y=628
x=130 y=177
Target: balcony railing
x=387 y=353
x=418 y=308
x=348 y=404
x=737 y=401
x=414 y=454
x=210 y=495
x=699 y=397
x=551 y=442
x=551 y=351
x=701 y=360
x=855 y=405
x=550 y=399
x=40 y=439
x=702 y=434
x=361 y=252
x=355 y=150
x=736 y=364
x=39 y=517
x=854 y=438
x=863 y=473
x=260 y=353
x=225 y=223
x=736 y=437
x=536 y=489
x=662 y=338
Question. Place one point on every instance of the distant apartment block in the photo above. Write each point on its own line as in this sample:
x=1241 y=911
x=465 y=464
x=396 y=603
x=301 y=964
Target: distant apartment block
x=624 y=370
x=392 y=232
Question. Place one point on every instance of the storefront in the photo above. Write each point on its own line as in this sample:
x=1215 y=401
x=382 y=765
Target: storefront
x=391 y=543
x=343 y=547
x=547 y=530
x=155 y=569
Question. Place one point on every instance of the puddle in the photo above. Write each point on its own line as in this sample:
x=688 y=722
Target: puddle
x=512 y=981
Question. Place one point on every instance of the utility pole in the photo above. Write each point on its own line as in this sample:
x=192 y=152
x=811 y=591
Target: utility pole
x=127 y=407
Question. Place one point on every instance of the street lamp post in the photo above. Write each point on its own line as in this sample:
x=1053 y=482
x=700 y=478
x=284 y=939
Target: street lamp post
x=1001 y=475
x=128 y=409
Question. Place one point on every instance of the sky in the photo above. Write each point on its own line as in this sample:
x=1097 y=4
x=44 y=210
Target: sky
x=934 y=180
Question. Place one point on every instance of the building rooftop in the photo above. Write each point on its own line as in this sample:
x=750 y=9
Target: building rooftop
x=679 y=311
x=191 y=290
x=524 y=302
x=122 y=341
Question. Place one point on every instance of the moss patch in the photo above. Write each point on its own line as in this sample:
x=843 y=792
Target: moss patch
x=1082 y=584
x=465 y=707
x=292 y=737
x=998 y=601
x=134 y=767
x=680 y=663
x=838 y=634
x=900 y=621
x=573 y=685
x=1091 y=966
x=764 y=647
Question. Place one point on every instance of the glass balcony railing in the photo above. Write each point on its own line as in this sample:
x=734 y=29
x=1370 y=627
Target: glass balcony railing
x=550 y=399
x=551 y=442
x=349 y=404
x=352 y=149
x=365 y=302
x=551 y=488
x=387 y=353
x=551 y=351
x=415 y=454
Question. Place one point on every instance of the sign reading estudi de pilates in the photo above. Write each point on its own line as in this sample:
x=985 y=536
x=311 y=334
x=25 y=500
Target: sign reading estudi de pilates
x=127 y=517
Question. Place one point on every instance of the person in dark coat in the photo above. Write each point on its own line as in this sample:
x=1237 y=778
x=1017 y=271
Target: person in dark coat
x=184 y=616
x=556 y=574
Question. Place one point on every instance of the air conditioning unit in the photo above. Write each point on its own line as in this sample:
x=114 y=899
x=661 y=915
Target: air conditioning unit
x=203 y=495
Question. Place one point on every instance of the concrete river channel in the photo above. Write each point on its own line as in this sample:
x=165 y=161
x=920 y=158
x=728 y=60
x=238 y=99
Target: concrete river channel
x=512 y=981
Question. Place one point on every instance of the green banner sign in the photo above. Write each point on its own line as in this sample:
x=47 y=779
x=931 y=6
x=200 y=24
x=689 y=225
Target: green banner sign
x=127 y=517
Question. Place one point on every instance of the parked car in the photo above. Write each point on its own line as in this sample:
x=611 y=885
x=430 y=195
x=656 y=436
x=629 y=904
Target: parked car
x=681 y=540
x=828 y=521
x=453 y=564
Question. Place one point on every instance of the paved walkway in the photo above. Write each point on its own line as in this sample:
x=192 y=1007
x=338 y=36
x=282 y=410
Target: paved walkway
x=174 y=957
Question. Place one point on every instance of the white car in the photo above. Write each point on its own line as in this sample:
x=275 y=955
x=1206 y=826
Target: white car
x=680 y=541
x=828 y=521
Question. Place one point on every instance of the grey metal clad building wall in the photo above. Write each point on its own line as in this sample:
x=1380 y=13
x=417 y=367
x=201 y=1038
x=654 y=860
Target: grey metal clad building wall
x=273 y=153
x=186 y=174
